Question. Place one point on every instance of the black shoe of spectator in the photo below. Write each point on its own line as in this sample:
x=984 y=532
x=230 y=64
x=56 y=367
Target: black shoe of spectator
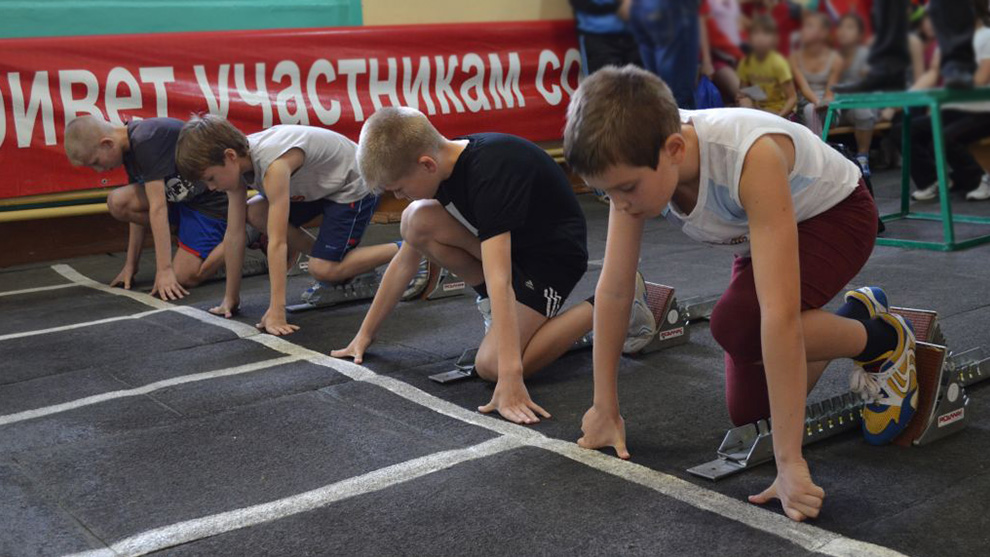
x=957 y=78
x=873 y=82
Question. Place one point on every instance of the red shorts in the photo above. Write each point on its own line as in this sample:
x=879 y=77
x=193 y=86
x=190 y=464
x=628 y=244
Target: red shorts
x=832 y=247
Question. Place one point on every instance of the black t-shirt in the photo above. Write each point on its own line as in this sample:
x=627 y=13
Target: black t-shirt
x=502 y=183
x=152 y=157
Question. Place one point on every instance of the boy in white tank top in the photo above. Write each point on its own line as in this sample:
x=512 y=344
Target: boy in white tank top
x=802 y=224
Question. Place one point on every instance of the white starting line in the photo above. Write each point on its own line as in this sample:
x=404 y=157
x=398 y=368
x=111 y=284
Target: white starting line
x=37 y=289
x=806 y=536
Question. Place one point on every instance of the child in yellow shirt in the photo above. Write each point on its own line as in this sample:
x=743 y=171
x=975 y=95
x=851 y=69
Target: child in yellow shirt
x=766 y=69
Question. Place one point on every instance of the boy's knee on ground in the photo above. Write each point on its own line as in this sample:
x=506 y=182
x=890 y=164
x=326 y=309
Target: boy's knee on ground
x=415 y=226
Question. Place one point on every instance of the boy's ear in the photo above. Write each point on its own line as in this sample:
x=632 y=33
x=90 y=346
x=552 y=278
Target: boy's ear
x=107 y=143
x=230 y=155
x=428 y=163
x=675 y=148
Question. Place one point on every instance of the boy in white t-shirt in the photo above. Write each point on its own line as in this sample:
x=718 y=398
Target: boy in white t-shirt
x=802 y=223
x=301 y=172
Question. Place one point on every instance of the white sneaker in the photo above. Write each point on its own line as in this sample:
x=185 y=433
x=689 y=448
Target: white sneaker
x=485 y=308
x=981 y=193
x=930 y=193
x=642 y=324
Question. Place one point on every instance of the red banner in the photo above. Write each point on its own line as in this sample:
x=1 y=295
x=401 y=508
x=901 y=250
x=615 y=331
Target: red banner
x=508 y=77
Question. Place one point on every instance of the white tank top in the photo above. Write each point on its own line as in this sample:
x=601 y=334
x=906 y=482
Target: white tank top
x=822 y=177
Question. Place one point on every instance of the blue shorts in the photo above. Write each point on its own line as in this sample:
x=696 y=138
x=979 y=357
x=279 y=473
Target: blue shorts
x=198 y=233
x=342 y=227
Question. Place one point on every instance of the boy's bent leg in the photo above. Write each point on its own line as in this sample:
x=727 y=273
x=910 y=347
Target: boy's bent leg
x=556 y=337
x=486 y=361
x=336 y=256
x=299 y=214
x=129 y=204
x=429 y=228
x=200 y=252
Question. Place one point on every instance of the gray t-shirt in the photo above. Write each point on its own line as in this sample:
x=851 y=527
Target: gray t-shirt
x=152 y=157
x=857 y=68
x=329 y=170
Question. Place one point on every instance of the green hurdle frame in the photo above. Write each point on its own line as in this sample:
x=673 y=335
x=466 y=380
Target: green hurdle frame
x=933 y=99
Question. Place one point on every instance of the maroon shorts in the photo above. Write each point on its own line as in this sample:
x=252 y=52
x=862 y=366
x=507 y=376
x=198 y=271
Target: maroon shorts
x=833 y=247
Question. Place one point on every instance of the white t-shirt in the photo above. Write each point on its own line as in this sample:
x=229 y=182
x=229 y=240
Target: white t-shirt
x=822 y=177
x=981 y=47
x=329 y=171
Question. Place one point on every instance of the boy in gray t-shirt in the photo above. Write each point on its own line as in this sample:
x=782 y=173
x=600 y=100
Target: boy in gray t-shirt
x=301 y=172
x=157 y=196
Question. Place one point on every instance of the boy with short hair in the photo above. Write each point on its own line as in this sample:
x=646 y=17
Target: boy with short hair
x=802 y=223
x=157 y=196
x=498 y=212
x=765 y=68
x=301 y=172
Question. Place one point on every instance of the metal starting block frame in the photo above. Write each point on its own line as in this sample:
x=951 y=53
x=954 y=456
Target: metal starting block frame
x=361 y=287
x=942 y=379
x=442 y=284
x=672 y=319
x=463 y=368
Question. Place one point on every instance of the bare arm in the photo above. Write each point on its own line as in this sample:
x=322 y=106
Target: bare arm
x=510 y=399
x=791 y=101
x=276 y=182
x=166 y=284
x=399 y=272
x=135 y=244
x=833 y=77
x=917 y=50
x=800 y=82
x=602 y=424
x=765 y=194
x=930 y=78
x=234 y=241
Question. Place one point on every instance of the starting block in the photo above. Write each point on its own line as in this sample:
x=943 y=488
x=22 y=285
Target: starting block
x=361 y=287
x=672 y=319
x=442 y=284
x=942 y=404
x=463 y=368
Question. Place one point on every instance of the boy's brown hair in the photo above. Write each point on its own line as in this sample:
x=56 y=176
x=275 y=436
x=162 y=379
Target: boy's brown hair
x=763 y=23
x=391 y=142
x=619 y=116
x=202 y=142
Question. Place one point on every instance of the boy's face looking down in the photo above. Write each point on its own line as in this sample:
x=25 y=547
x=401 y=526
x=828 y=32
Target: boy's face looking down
x=225 y=177
x=422 y=182
x=641 y=191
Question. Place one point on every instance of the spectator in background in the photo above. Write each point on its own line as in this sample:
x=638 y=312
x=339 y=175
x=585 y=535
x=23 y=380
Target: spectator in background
x=669 y=43
x=816 y=69
x=603 y=35
x=765 y=69
x=890 y=56
x=720 y=46
x=962 y=124
x=786 y=15
x=849 y=36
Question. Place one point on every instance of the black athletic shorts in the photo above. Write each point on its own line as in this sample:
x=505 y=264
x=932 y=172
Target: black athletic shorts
x=544 y=282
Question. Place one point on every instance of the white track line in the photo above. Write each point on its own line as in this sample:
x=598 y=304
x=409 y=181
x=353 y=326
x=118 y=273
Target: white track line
x=809 y=537
x=38 y=289
x=213 y=525
x=143 y=390
x=23 y=334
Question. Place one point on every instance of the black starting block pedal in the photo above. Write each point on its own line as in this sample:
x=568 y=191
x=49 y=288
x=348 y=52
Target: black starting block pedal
x=442 y=284
x=322 y=295
x=463 y=369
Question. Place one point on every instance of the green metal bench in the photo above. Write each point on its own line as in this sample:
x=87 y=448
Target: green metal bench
x=933 y=99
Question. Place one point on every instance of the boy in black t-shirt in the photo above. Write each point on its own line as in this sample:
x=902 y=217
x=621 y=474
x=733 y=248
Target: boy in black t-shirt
x=498 y=212
x=156 y=197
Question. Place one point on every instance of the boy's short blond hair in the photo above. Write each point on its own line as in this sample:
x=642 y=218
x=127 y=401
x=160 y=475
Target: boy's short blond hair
x=202 y=142
x=619 y=116
x=391 y=142
x=83 y=136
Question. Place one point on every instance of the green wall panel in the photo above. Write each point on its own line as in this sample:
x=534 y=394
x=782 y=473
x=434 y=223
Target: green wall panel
x=49 y=18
